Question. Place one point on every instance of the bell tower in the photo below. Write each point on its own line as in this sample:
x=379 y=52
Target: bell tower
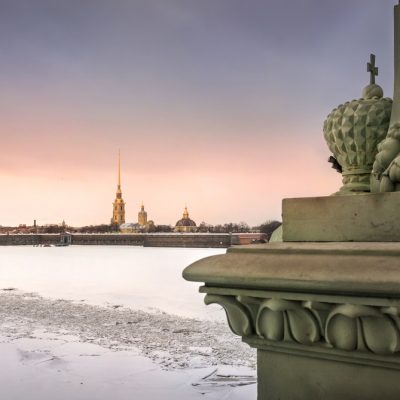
x=118 y=217
x=142 y=216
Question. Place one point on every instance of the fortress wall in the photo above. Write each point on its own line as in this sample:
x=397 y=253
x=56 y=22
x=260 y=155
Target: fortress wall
x=148 y=240
x=188 y=240
x=108 y=239
x=28 y=239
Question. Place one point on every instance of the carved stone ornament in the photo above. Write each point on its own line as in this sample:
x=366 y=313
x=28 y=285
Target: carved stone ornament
x=353 y=131
x=345 y=327
x=353 y=327
x=279 y=320
x=386 y=170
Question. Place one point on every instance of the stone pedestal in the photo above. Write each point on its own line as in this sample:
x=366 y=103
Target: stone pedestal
x=324 y=317
x=303 y=377
x=362 y=218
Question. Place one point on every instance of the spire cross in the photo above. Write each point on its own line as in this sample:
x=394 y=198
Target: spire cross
x=372 y=69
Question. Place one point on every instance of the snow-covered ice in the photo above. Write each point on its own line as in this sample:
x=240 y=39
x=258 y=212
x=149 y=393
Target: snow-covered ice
x=89 y=338
x=138 y=277
x=47 y=367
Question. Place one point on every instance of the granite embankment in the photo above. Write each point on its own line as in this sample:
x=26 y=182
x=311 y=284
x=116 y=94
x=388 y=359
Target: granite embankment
x=147 y=240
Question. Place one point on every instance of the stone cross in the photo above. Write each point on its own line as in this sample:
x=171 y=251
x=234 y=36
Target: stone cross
x=372 y=69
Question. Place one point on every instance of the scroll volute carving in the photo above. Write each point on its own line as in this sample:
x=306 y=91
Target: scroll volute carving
x=238 y=316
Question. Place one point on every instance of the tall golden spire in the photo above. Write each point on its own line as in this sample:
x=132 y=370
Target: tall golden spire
x=118 y=217
x=119 y=170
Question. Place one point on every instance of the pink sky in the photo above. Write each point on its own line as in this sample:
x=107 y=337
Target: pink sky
x=73 y=177
x=216 y=105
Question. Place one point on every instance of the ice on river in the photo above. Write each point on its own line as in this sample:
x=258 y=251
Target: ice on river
x=138 y=277
x=139 y=333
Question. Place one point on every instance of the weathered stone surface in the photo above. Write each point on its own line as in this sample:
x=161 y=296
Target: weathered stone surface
x=276 y=235
x=347 y=326
x=362 y=218
x=299 y=376
x=352 y=268
x=353 y=131
x=325 y=317
x=386 y=168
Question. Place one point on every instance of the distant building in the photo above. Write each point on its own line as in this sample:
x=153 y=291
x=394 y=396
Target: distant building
x=248 y=238
x=143 y=225
x=118 y=217
x=142 y=216
x=130 y=227
x=185 y=224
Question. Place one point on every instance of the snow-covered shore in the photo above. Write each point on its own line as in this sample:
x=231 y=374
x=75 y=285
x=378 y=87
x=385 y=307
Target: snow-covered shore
x=158 y=354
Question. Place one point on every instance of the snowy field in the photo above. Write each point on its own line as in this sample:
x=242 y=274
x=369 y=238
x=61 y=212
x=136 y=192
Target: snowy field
x=87 y=322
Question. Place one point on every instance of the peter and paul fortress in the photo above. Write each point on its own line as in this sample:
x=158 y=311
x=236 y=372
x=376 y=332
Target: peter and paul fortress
x=184 y=225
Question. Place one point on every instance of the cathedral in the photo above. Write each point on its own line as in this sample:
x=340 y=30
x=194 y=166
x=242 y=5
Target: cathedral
x=118 y=217
x=184 y=225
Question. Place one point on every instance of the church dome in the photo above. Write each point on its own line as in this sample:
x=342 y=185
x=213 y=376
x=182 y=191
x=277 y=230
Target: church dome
x=185 y=221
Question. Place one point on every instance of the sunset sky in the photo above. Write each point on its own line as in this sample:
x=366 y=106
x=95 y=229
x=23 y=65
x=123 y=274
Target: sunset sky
x=217 y=104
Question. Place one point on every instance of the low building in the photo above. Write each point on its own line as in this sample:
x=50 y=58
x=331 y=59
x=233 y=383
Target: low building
x=130 y=227
x=248 y=238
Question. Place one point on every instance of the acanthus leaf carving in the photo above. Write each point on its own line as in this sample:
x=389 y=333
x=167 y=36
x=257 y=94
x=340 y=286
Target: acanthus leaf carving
x=320 y=312
x=355 y=327
x=348 y=327
x=285 y=320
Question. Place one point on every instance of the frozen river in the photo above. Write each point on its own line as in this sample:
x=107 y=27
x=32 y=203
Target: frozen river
x=101 y=322
x=137 y=277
